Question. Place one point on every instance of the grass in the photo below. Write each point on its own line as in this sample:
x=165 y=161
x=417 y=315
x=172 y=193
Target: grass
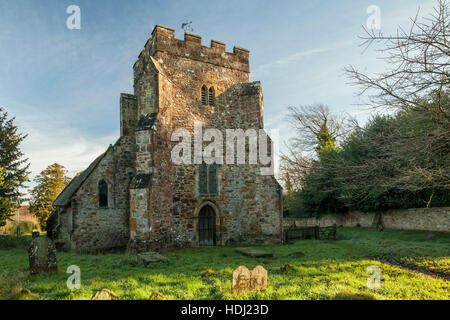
x=414 y=265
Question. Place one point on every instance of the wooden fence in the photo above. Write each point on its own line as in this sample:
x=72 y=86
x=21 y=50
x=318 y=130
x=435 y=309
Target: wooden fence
x=320 y=233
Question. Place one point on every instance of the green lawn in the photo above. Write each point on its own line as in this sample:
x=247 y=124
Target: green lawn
x=414 y=265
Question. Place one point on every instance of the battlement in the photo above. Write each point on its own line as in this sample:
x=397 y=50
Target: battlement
x=163 y=41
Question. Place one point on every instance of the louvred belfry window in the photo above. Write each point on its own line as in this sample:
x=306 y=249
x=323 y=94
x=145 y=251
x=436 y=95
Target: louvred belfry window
x=211 y=96
x=204 y=96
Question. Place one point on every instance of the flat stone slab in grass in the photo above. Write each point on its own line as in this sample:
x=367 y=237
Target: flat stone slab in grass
x=105 y=294
x=149 y=257
x=254 y=252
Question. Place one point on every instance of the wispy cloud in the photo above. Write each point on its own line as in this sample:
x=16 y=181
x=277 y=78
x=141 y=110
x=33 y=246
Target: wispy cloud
x=294 y=57
x=286 y=60
x=51 y=140
x=68 y=148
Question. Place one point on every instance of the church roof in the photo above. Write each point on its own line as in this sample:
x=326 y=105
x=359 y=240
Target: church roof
x=65 y=196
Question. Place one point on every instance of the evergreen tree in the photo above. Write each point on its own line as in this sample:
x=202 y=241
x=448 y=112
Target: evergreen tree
x=13 y=167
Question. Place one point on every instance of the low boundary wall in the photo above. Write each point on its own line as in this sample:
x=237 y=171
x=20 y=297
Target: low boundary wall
x=431 y=219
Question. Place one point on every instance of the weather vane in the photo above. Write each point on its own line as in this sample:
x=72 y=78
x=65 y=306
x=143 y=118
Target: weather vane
x=187 y=26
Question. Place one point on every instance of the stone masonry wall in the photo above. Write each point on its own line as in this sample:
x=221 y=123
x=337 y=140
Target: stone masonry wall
x=431 y=219
x=65 y=227
x=151 y=204
x=103 y=228
x=128 y=114
x=247 y=204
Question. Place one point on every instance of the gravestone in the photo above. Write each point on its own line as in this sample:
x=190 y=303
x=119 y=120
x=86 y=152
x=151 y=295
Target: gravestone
x=258 y=278
x=42 y=255
x=246 y=280
x=241 y=280
x=105 y=294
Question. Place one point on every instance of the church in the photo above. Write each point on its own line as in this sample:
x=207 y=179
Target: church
x=135 y=196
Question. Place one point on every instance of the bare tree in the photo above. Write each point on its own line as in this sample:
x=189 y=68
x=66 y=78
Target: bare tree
x=418 y=82
x=403 y=155
x=294 y=166
x=310 y=122
x=420 y=65
x=313 y=124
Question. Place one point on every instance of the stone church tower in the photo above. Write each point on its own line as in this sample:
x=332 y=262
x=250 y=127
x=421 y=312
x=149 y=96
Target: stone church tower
x=134 y=194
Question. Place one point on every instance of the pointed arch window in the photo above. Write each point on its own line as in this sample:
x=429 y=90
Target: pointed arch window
x=207 y=182
x=211 y=96
x=102 y=194
x=204 y=96
x=212 y=178
x=203 y=179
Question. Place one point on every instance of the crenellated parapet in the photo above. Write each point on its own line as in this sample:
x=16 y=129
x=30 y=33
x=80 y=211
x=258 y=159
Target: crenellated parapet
x=163 y=41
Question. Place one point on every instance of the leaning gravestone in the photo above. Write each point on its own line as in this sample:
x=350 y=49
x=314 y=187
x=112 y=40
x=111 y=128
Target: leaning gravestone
x=246 y=280
x=42 y=255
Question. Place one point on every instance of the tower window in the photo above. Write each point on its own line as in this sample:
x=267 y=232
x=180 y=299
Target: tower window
x=203 y=179
x=204 y=96
x=102 y=194
x=207 y=179
x=211 y=96
x=212 y=179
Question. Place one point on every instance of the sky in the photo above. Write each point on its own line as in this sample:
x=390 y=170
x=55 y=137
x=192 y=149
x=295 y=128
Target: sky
x=63 y=85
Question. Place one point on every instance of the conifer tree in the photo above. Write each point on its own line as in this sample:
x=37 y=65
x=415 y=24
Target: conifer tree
x=13 y=167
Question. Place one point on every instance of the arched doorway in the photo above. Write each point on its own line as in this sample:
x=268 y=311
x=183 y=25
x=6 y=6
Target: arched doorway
x=207 y=226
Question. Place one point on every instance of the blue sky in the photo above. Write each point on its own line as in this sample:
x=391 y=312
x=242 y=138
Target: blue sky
x=63 y=85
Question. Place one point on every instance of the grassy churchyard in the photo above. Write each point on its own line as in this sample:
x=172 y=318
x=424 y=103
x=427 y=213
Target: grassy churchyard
x=413 y=265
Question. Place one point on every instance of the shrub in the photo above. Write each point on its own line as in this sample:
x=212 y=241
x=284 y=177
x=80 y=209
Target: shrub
x=8 y=242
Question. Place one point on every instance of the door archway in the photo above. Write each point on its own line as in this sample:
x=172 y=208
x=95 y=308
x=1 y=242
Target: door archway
x=207 y=226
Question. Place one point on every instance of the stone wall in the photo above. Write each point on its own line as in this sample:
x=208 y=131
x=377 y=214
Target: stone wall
x=84 y=226
x=128 y=114
x=432 y=219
